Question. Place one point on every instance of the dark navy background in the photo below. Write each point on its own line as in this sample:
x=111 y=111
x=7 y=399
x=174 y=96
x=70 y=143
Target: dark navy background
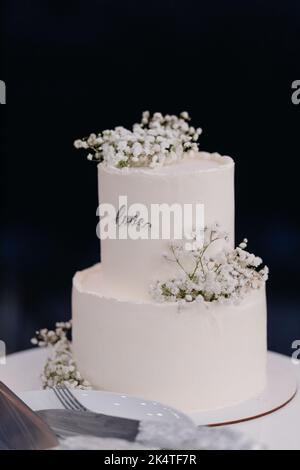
x=74 y=67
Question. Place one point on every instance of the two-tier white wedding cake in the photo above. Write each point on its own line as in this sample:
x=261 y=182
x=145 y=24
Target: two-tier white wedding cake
x=183 y=326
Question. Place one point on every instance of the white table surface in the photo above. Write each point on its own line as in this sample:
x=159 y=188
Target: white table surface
x=279 y=430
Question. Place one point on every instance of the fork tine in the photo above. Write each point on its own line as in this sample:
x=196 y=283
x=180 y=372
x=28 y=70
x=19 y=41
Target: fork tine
x=61 y=398
x=76 y=403
x=62 y=390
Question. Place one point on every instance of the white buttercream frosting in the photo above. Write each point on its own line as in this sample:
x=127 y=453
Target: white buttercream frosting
x=192 y=358
x=208 y=179
x=199 y=162
x=196 y=357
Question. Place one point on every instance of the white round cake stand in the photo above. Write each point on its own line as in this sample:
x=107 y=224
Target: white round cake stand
x=280 y=390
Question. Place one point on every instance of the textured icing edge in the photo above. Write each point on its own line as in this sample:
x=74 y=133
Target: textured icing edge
x=224 y=160
x=78 y=281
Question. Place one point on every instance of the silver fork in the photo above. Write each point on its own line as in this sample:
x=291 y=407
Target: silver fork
x=67 y=399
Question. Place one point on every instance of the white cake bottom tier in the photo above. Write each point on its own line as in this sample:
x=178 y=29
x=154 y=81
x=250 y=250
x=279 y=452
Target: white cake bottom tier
x=192 y=358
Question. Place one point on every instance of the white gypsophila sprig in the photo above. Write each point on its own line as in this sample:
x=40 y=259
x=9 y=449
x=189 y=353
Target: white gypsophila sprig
x=155 y=141
x=60 y=367
x=224 y=275
x=45 y=337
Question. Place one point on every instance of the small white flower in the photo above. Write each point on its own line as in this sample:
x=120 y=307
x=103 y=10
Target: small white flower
x=91 y=141
x=137 y=149
x=185 y=115
x=243 y=245
x=78 y=144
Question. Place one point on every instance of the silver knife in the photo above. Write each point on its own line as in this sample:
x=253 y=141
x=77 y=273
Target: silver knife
x=20 y=427
x=173 y=435
x=67 y=423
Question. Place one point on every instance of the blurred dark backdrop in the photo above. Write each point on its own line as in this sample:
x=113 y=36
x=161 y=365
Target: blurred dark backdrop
x=74 y=67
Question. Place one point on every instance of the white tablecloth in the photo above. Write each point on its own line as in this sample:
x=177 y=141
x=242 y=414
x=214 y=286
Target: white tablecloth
x=279 y=430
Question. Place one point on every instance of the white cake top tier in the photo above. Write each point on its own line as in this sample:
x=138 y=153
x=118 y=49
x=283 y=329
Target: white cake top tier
x=200 y=178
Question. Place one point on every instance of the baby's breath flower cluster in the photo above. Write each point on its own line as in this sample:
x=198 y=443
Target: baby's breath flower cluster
x=46 y=337
x=208 y=277
x=155 y=141
x=60 y=367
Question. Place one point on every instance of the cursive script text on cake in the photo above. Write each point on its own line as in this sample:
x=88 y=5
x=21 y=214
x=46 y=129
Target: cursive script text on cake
x=122 y=218
x=151 y=222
